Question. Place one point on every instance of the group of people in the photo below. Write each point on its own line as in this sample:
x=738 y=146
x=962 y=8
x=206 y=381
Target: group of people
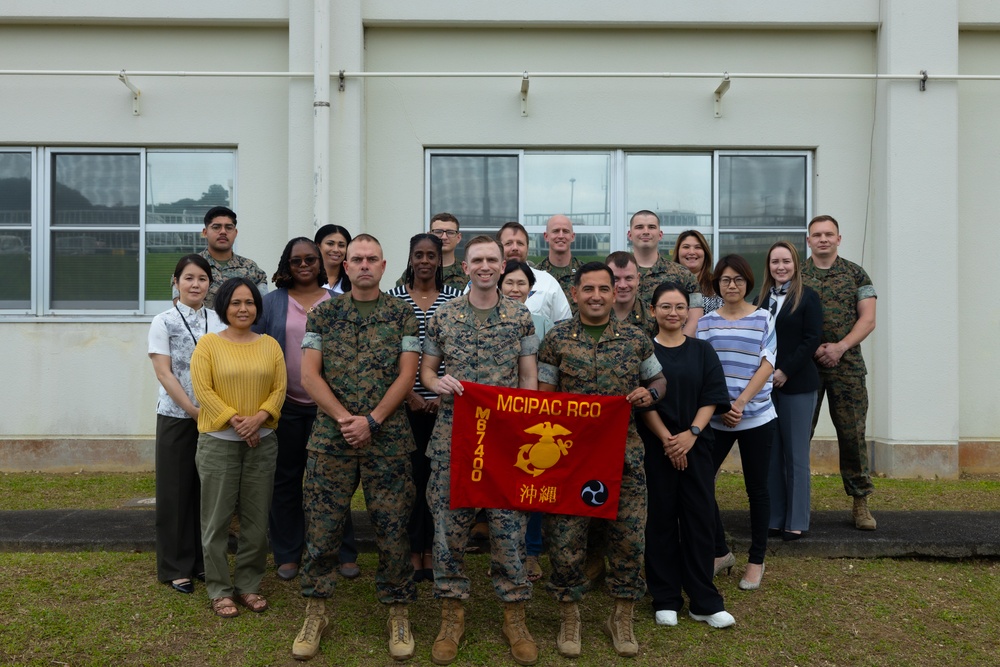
x=277 y=406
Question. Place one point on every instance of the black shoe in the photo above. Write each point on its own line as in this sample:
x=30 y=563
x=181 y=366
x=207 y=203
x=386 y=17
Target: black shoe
x=789 y=536
x=200 y=576
x=774 y=532
x=418 y=576
x=186 y=587
x=428 y=574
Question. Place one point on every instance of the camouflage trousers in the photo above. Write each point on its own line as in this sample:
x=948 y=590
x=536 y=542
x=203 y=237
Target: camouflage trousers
x=567 y=539
x=451 y=534
x=848 y=410
x=330 y=482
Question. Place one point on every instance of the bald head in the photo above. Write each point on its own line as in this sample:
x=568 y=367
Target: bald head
x=559 y=235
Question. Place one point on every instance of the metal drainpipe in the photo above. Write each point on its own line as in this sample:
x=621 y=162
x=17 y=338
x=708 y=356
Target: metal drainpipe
x=321 y=113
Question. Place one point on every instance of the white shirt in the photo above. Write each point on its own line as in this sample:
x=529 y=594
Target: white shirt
x=547 y=298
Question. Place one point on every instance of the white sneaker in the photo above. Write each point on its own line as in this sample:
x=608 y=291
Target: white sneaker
x=666 y=617
x=720 y=619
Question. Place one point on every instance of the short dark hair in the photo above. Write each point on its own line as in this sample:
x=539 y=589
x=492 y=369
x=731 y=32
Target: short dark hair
x=225 y=295
x=282 y=278
x=824 y=218
x=516 y=226
x=663 y=288
x=738 y=264
x=483 y=238
x=514 y=265
x=644 y=211
x=591 y=267
x=220 y=212
x=197 y=260
x=621 y=259
x=444 y=217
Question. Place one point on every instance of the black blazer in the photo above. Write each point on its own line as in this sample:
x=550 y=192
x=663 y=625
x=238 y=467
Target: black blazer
x=799 y=334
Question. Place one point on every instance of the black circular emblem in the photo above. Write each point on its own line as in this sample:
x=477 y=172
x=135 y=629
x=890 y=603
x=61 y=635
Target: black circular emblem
x=594 y=493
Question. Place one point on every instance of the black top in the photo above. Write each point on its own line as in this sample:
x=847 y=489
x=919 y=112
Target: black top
x=694 y=379
x=799 y=334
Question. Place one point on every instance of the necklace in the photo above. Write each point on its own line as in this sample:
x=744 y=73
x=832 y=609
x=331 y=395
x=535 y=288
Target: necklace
x=188 y=326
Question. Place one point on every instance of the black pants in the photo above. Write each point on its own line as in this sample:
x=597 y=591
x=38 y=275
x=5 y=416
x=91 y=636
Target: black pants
x=680 y=535
x=421 y=526
x=755 y=453
x=287 y=521
x=178 y=500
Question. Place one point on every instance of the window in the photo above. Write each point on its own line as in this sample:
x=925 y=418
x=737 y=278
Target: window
x=98 y=231
x=742 y=201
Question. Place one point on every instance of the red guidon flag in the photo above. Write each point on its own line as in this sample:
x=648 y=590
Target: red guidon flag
x=538 y=451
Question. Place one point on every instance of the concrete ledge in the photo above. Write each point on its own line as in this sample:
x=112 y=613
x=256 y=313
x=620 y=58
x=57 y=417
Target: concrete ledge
x=73 y=454
x=904 y=460
x=979 y=456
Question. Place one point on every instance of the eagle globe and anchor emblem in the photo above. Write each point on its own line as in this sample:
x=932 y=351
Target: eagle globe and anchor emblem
x=535 y=458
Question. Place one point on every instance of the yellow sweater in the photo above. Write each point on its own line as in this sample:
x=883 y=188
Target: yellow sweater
x=237 y=379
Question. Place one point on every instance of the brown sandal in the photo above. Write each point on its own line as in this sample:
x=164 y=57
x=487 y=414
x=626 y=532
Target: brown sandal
x=225 y=607
x=252 y=601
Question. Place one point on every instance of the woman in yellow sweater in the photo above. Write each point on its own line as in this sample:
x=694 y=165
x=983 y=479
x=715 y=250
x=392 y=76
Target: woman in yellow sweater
x=239 y=380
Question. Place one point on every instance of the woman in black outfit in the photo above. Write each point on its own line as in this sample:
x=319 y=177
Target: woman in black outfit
x=680 y=474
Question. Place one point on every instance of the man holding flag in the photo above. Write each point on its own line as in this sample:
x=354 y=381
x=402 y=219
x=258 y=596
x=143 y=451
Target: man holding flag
x=595 y=354
x=485 y=338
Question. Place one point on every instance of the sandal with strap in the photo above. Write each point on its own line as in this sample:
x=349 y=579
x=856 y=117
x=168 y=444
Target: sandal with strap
x=252 y=601
x=225 y=607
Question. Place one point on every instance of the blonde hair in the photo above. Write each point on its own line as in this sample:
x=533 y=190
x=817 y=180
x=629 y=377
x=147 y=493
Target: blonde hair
x=794 y=294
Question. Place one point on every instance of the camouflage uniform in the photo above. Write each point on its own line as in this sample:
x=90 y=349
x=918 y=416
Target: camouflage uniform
x=640 y=317
x=665 y=271
x=571 y=360
x=487 y=353
x=840 y=289
x=236 y=267
x=564 y=275
x=453 y=276
x=360 y=362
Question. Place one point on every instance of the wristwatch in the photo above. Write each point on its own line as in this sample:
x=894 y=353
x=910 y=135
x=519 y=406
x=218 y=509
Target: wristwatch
x=655 y=394
x=694 y=429
x=373 y=425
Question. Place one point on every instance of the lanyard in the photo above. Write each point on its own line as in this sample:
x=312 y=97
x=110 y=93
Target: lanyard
x=188 y=326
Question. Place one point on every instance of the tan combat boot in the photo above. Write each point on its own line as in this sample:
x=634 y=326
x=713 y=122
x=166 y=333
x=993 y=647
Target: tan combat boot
x=401 y=644
x=306 y=644
x=568 y=639
x=863 y=519
x=522 y=646
x=619 y=628
x=445 y=648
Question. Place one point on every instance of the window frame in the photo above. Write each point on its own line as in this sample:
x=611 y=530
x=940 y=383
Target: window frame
x=41 y=257
x=618 y=158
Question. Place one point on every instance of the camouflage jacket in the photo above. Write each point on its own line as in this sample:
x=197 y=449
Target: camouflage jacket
x=237 y=267
x=564 y=275
x=664 y=271
x=570 y=359
x=640 y=317
x=360 y=362
x=840 y=289
x=475 y=351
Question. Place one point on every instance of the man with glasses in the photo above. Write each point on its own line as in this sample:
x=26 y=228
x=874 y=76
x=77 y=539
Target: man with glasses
x=220 y=234
x=645 y=234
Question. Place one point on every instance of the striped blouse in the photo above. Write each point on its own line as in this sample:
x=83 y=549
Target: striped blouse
x=742 y=345
x=446 y=294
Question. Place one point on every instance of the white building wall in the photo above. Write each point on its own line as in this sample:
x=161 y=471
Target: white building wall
x=97 y=372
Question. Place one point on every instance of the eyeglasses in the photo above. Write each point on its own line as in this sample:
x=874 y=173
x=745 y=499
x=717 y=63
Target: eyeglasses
x=299 y=261
x=739 y=281
x=450 y=233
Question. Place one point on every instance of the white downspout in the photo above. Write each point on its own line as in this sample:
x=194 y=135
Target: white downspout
x=321 y=114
